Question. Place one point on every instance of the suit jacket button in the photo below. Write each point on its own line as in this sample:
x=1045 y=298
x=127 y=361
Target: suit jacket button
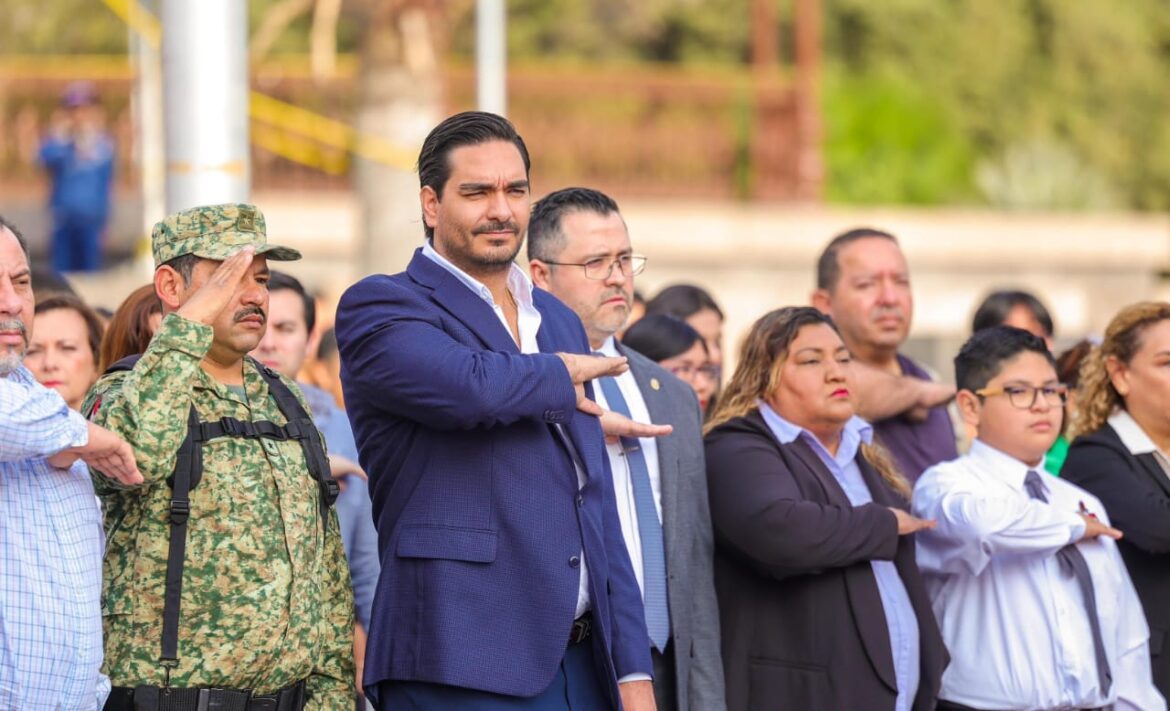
x=574 y=562
x=580 y=500
x=554 y=415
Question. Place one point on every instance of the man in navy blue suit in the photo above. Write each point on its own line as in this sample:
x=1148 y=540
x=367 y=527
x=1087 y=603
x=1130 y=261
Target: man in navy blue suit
x=505 y=579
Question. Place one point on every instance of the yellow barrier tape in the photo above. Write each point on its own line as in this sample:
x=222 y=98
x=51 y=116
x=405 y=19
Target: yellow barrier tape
x=299 y=150
x=139 y=19
x=329 y=131
x=288 y=117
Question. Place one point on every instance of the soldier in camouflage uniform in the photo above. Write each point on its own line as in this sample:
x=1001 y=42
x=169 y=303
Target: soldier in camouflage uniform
x=266 y=600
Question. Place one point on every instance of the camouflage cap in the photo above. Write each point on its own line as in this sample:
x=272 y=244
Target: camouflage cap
x=214 y=232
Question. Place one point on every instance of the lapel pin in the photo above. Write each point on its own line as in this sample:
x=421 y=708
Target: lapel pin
x=654 y=384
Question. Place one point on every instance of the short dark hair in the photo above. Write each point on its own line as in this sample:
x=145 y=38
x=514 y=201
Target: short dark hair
x=47 y=281
x=64 y=301
x=545 y=238
x=983 y=355
x=682 y=301
x=465 y=129
x=6 y=224
x=280 y=280
x=184 y=264
x=828 y=266
x=995 y=309
x=327 y=347
x=661 y=337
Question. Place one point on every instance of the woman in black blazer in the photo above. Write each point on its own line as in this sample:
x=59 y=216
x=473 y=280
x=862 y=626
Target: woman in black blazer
x=1121 y=437
x=801 y=600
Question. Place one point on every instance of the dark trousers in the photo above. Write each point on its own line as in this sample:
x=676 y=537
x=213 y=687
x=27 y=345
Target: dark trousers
x=576 y=687
x=665 y=683
x=76 y=245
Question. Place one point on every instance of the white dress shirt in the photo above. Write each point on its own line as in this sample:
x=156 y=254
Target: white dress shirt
x=622 y=485
x=1014 y=623
x=528 y=323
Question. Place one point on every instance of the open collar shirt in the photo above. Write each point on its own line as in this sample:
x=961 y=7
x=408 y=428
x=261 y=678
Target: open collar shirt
x=1014 y=622
x=51 y=545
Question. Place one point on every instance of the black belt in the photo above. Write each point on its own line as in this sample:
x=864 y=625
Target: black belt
x=581 y=629
x=154 y=698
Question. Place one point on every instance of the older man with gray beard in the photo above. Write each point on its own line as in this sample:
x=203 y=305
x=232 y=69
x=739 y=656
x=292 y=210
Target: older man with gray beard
x=51 y=537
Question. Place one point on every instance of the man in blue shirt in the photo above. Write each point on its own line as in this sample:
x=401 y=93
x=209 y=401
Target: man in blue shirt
x=292 y=314
x=51 y=539
x=79 y=156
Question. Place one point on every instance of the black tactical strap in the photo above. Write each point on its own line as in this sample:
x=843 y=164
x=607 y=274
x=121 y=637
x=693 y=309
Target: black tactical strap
x=301 y=428
x=189 y=471
x=188 y=468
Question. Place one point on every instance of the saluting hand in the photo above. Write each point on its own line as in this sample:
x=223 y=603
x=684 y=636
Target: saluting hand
x=1094 y=528
x=213 y=296
x=908 y=524
x=583 y=368
x=104 y=451
x=616 y=425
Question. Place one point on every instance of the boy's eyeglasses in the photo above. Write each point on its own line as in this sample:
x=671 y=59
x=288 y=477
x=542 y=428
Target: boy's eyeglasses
x=1024 y=397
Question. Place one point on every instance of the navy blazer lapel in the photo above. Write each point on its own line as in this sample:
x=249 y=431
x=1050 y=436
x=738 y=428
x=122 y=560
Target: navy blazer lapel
x=589 y=452
x=455 y=298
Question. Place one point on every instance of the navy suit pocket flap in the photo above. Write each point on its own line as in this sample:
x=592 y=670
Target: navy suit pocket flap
x=474 y=545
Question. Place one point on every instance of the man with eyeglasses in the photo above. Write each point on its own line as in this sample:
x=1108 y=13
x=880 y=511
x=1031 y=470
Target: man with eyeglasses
x=579 y=250
x=1023 y=572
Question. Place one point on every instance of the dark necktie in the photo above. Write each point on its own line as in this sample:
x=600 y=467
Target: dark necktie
x=649 y=529
x=1073 y=562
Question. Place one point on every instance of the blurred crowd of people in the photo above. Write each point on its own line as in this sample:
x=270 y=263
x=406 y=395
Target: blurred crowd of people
x=549 y=493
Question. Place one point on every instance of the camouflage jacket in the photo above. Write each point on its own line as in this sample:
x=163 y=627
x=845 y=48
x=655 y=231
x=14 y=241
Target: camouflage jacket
x=266 y=597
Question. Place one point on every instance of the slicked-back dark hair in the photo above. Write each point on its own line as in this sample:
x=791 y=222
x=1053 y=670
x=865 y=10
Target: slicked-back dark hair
x=469 y=128
x=983 y=355
x=6 y=224
x=660 y=337
x=995 y=309
x=280 y=280
x=828 y=264
x=545 y=238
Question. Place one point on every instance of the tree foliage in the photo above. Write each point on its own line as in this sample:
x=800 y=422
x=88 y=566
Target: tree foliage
x=1014 y=103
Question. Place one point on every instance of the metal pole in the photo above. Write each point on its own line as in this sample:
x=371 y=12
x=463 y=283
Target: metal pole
x=491 y=60
x=148 y=110
x=205 y=90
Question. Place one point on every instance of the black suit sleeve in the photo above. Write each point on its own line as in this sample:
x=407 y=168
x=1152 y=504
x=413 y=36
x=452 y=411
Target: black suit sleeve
x=1132 y=498
x=758 y=510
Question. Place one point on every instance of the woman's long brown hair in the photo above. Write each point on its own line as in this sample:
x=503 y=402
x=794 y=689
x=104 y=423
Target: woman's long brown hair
x=757 y=375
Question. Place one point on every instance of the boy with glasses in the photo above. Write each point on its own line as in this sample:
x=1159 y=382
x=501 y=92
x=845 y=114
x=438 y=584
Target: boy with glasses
x=1023 y=572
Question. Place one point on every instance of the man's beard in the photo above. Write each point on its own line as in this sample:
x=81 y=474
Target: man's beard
x=12 y=356
x=497 y=261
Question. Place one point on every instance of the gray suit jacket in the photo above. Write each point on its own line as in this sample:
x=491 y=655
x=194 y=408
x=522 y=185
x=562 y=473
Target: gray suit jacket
x=694 y=613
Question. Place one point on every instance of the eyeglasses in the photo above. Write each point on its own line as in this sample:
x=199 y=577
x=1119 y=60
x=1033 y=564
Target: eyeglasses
x=1023 y=397
x=601 y=268
x=688 y=371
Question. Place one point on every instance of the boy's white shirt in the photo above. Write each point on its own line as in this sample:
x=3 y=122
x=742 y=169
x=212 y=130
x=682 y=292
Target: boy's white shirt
x=1014 y=623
